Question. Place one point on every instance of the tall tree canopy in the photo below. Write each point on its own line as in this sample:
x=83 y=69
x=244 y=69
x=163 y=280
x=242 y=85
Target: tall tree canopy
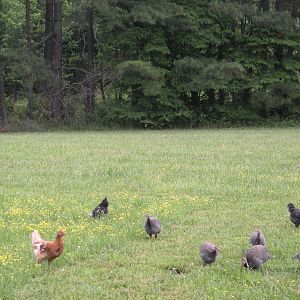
x=149 y=63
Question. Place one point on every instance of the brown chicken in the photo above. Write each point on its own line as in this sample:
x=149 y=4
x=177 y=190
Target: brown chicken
x=47 y=250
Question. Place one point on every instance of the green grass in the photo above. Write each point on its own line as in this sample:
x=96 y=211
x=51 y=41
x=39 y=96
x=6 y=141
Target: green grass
x=216 y=185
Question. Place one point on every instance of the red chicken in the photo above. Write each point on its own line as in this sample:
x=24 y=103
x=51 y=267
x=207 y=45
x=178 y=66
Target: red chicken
x=47 y=250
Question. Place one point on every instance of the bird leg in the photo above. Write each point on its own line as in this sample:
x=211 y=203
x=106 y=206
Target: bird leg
x=49 y=263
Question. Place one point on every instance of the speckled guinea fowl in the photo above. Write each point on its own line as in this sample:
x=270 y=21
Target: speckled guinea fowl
x=152 y=226
x=208 y=253
x=294 y=214
x=257 y=238
x=255 y=257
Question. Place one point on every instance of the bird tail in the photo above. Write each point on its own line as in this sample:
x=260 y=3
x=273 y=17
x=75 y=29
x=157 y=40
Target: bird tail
x=35 y=238
x=104 y=202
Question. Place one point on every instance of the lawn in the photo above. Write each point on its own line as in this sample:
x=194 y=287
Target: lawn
x=217 y=185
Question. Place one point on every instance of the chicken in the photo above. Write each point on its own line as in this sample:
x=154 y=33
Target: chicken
x=152 y=226
x=257 y=238
x=47 y=250
x=100 y=209
x=294 y=214
x=255 y=257
x=208 y=253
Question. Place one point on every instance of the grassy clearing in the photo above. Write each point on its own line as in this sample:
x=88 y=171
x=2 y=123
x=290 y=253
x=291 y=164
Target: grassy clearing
x=216 y=185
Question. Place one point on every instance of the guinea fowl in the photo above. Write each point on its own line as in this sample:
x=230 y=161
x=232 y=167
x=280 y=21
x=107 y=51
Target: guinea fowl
x=208 y=253
x=255 y=257
x=152 y=226
x=294 y=214
x=100 y=209
x=297 y=256
x=257 y=238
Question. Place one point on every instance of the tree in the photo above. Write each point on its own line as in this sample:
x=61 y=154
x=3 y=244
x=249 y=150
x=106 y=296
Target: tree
x=3 y=116
x=56 y=63
x=294 y=10
x=48 y=48
x=90 y=97
x=29 y=49
x=264 y=5
x=279 y=4
x=151 y=63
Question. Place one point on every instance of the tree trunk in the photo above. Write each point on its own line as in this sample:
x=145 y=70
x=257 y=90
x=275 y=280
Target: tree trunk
x=294 y=11
x=195 y=99
x=279 y=5
x=294 y=14
x=48 y=32
x=30 y=95
x=246 y=96
x=48 y=50
x=102 y=89
x=90 y=97
x=3 y=116
x=56 y=91
x=210 y=93
x=264 y=5
x=222 y=96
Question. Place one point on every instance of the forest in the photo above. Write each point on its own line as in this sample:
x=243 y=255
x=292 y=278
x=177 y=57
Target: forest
x=149 y=63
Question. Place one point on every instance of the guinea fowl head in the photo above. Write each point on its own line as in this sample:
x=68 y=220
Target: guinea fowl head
x=297 y=256
x=245 y=263
x=259 y=233
x=291 y=206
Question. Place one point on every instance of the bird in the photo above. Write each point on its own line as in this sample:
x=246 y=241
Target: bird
x=208 y=253
x=255 y=257
x=152 y=226
x=297 y=256
x=47 y=250
x=257 y=238
x=100 y=209
x=294 y=214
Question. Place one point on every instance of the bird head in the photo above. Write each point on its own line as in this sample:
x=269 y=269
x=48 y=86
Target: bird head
x=297 y=256
x=290 y=206
x=245 y=263
x=60 y=234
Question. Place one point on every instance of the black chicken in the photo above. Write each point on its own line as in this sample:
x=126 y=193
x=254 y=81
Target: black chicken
x=100 y=209
x=294 y=214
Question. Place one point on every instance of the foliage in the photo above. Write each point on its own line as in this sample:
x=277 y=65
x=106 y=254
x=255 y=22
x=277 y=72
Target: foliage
x=160 y=63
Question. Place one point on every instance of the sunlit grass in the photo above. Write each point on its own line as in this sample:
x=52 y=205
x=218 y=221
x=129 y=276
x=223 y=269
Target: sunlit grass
x=216 y=185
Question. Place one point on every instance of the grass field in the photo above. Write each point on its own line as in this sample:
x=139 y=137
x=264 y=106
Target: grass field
x=216 y=185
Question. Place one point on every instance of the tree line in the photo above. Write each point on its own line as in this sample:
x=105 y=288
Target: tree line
x=149 y=63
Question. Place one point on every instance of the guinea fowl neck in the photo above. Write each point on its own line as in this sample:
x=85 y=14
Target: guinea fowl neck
x=148 y=221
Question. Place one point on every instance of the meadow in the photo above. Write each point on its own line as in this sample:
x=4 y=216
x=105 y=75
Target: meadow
x=217 y=185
